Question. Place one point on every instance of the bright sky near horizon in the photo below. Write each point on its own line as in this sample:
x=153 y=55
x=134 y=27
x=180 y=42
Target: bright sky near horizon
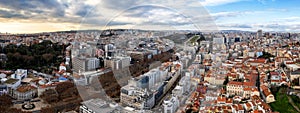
x=22 y=16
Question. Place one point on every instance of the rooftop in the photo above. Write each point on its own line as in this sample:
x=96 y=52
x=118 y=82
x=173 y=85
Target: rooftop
x=11 y=81
x=235 y=83
x=98 y=105
x=25 y=88
x=295 y=72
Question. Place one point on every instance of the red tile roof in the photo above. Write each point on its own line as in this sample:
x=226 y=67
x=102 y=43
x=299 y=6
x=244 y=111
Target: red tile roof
x=274 y=73
x=221 y=99
x=249 y=84
x=240 y=107
x=247 y=89
x=235 y=83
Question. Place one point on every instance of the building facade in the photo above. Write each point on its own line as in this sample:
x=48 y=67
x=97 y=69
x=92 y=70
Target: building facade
x=171 y=104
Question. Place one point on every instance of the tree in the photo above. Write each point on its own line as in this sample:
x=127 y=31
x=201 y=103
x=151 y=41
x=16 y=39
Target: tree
x=226 y=80
x=202 y=38
x=274 y=89
x=5 y=101
x=63 y=87
x=282 y=65
x=15 y=110
x=47 y=57
x=36 y=56
x=295 y=82
x=47 y=110
x=266 y=55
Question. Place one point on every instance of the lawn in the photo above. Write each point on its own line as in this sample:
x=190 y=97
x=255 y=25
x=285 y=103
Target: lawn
x=282 y=104
x=194 y=39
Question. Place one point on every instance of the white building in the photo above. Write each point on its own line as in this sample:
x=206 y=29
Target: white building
x=93 y=63
x=24 y=92
x=155 y=76
x=118 y=62
x=98 y=106
x=259 y=34
x=185 y=82
x=3 y=89
x=19 y=74
x=218 y=40
x=136 y=97
x=12 y=83
x=171 y=104
x=294 y=75
x=83 y=64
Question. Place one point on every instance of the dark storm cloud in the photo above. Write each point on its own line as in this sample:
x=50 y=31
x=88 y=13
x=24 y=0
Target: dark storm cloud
x=119 y=4
x=46 y=10
x=83 y=10
x=12 y=14
x=49 y=7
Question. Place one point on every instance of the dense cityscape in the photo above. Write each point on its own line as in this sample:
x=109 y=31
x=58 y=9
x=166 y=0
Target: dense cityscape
x=134 y=56
x=229 y=71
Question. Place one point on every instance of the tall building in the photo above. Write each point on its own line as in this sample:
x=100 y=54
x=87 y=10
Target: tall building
x=83 y=50
x=259 y=34
x=118 y=62
x=92 y=63
x=82 y=64
x=78 y=64
x=144 y=91
x=218 y=40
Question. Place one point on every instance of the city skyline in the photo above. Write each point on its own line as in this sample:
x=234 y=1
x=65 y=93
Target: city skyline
x=137 y=56
x=62 y=15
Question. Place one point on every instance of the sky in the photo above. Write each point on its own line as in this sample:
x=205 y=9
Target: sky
x=32 y=16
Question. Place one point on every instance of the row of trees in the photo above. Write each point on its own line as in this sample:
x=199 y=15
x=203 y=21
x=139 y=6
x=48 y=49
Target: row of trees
x=36 y=56
x=63 y=98
x=142 y=66
x=5 y=101
x=266 y=55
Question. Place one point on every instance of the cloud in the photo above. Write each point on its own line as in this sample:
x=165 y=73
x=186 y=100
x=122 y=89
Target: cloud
x=163 y=13
x=83 y=10
x=234 y=14
x=156 y=13
x=12 y=14
x=217 y=2
x=289 y=19
x=235 y=26
x=226 y=14
x=50 y=7
x=265 y=1
x=119 y=4
x=269 y=26
x=99 y=13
